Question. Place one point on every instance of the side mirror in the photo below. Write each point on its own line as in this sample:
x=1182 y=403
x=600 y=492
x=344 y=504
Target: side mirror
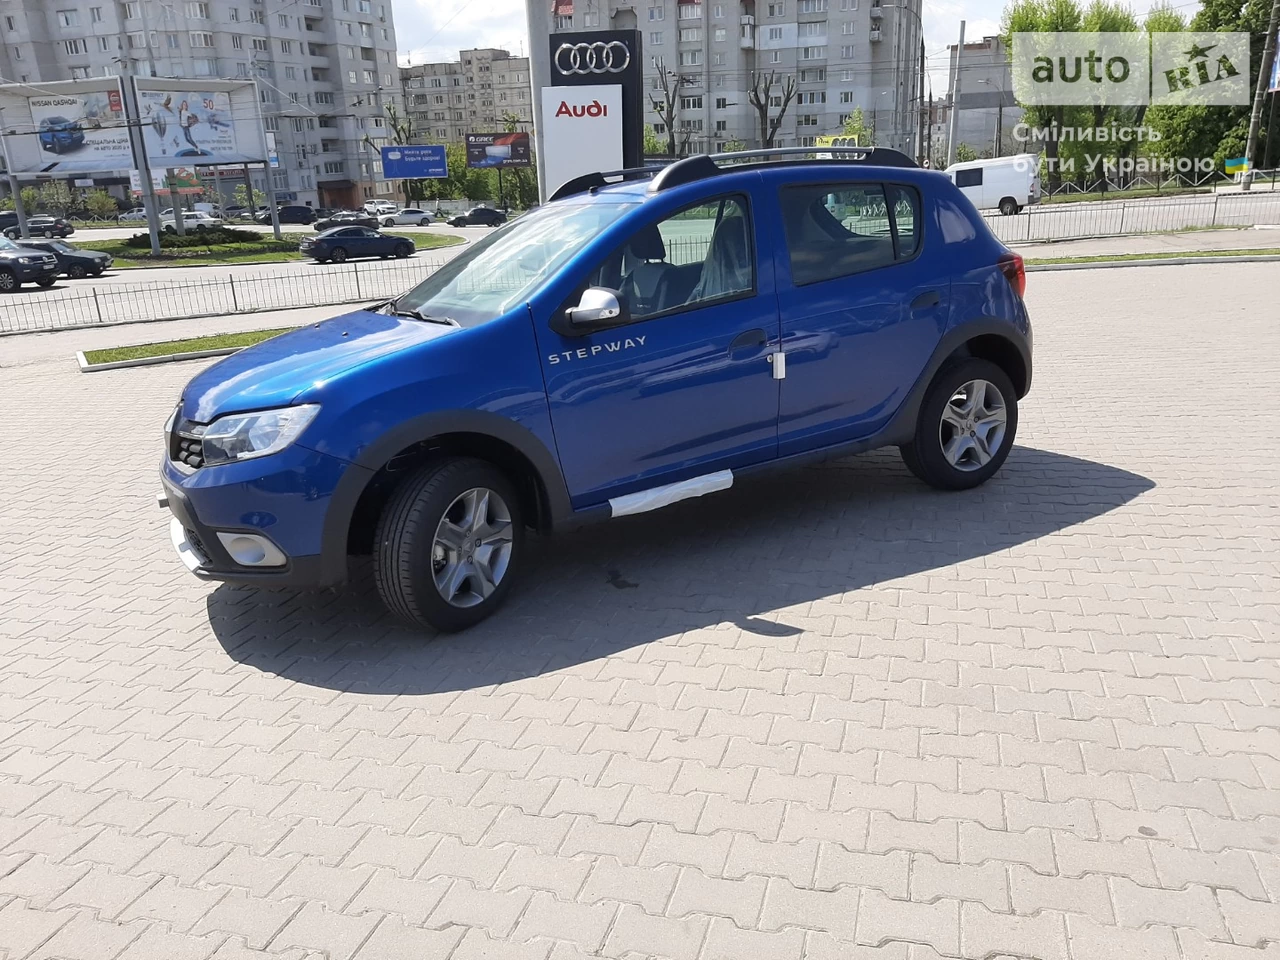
x=598 y=308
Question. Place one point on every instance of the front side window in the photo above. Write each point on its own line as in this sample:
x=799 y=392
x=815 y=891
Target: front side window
x=838 y=230
x=701 y=255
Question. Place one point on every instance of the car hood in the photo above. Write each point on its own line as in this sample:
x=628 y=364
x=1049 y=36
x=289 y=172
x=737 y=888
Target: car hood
x=275 y=372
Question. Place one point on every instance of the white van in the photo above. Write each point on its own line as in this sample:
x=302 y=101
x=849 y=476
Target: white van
x=1006 y=184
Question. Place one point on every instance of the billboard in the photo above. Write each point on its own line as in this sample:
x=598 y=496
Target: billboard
x=411 y=162
x=1275 y=69
x=498 y=150
x=66 y=127
x=598 y=57
x=582 y=132
x=200 y=122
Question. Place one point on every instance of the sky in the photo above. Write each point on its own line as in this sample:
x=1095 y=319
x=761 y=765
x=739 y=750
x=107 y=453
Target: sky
x=435 y=30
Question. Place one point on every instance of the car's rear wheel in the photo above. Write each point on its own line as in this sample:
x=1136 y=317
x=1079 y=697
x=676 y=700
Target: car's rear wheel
x=338 y=255
x=402 y=250
x=448 y=544
x=77 y=271
x=966 y=426
x=424 y=222
x=8 y=282
x=1009 y=206
x=48 y=233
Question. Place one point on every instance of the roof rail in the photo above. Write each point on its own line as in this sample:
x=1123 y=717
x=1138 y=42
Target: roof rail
x=591 y=181
x=705 y=165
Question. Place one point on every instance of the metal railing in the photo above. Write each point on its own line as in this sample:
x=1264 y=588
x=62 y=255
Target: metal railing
x=1112 y=218
x=78 y=306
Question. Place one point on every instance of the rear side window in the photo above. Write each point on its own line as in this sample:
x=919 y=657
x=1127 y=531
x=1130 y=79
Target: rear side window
x=969 y=178
x=837 y=230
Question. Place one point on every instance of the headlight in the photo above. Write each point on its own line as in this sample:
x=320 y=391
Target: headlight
x=243 y=436
x=31 y=259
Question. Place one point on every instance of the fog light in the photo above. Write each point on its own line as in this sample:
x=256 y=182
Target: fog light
x=251 y=550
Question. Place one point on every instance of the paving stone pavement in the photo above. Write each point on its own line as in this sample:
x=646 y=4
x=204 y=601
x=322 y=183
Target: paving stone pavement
x=829 y=714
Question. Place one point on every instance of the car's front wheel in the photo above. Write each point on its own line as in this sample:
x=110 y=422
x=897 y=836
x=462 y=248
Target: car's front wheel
x=966 y=426
x=448 y=544
x=338 y=255
x=402 y=250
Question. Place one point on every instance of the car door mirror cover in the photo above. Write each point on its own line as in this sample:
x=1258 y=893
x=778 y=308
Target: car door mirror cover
x=598 y=308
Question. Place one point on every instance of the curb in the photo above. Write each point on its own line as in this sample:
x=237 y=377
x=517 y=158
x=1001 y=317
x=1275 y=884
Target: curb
x=1162 y=262
x=86 y=367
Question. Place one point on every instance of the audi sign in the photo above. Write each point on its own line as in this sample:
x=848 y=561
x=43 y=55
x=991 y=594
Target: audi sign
x=603 y=57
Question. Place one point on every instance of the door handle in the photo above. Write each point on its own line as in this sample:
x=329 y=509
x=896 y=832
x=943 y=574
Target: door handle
x=926 y=300
x=749 y=338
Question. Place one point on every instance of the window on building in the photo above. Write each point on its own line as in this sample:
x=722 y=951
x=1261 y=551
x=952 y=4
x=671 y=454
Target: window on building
x=201 y=39
x=9 y=23
x=720 y=34
x=722 y=103
x=282 y=19
x=817 y=29
x=848 y=5
x=657 y=13
x=351 y=77
x=79 y=73
x=722 y=126
x=68 y=18
x=237 y=42
x=689 y=11
x=257 y=16
x=198 y=10
x=813 y=75
x=369 y=77
x=816 y=96
x=591 y=17
x=690 y=58
x=131 y=10
x=366 y=31
x=846 y=96
x=286 y=46
x=813 y=53
x=655 y=38
x=104 y=44
x=718 y=11
x=847 y=29
x=233 y=14
x=691 y=103
x=204 y=68
x=324 y=99
x=847 y=52
x=564 y=22
x=775 y=56
x=75 y=47
x=691 y=35
x=812 y=6
x=260 y=43
x=778 y=9
x=775 y=33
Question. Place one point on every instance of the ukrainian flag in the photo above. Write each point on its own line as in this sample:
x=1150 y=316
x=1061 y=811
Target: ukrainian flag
x=1239 y=165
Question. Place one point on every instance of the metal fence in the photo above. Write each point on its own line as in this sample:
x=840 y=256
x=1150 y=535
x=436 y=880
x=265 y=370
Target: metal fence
x=1112 y=218
x=79 y=306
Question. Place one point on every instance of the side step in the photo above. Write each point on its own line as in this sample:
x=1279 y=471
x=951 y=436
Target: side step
x=642 y=501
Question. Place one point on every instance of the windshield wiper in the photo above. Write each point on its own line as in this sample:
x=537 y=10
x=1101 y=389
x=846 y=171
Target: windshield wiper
x=418 y=315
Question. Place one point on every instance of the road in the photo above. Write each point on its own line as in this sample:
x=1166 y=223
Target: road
x=830 y=713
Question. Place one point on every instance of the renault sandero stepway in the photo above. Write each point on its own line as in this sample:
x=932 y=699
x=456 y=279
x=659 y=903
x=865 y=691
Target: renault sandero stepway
x=644 y=337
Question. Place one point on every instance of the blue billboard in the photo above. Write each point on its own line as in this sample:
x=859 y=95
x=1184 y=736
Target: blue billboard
x=414 y=162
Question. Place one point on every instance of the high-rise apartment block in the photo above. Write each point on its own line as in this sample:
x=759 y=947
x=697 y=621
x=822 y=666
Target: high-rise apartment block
x=326 y=71
x=480 y=92
x=843 y=55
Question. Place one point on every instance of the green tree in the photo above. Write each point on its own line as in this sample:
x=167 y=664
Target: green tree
x=30 y=199
x=240 y=196
x=855 y=125
x=653 y=146
x=99 y=203
x=520 y=184
x=965 y=153
x=733 y=146
x=55 y=196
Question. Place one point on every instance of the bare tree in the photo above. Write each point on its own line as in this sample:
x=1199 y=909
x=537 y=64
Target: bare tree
x=761 y=93
x=665 y=108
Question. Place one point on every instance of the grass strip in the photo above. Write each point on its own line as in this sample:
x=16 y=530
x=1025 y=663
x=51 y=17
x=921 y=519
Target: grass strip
x=269 y=250
x=1171 y=255
x=190 y=345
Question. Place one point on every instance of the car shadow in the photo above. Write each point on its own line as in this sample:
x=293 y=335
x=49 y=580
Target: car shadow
x=754 y=558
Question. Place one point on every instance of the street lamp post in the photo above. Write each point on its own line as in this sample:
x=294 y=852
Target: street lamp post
x=999 y=140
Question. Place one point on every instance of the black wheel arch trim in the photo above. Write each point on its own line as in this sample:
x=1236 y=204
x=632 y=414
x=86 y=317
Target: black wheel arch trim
x=354 y=480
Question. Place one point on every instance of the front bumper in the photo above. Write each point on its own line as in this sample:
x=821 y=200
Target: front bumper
x=26 y=272
x=282 y=499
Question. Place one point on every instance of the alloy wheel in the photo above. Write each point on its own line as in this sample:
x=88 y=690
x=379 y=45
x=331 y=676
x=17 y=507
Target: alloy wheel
x=973 y=425
x=472 y=547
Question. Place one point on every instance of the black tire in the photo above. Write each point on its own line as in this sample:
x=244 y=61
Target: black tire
x=48 y=233
x=1009 y=206
x=9 y=282
x=97 y=271
x=424 y=222
x=405 y=536
x=47 y=282
x=402 y=250
x=77 y=271
x=924 y=454
x=338 y=255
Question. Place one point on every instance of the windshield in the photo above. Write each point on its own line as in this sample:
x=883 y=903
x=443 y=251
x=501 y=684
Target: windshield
x=505 y=267
x=7 y=244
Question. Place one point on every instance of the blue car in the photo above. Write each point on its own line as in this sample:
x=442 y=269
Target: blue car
x=339 y=244
x=58 y=134
x=623 y=347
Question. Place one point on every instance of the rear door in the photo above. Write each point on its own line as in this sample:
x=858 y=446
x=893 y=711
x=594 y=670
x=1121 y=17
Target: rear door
x=685 y=389
x=861 y=307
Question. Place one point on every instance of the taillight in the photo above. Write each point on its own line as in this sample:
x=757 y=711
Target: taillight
x=1015 y=271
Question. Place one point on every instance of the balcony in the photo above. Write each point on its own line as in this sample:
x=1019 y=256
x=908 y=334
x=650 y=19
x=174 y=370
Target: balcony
x=310 y=23
x=876 y=35
x=876 y=11
x=747 y=32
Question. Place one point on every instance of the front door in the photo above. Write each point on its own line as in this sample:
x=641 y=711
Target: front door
x=684 y=389
x=860 y=310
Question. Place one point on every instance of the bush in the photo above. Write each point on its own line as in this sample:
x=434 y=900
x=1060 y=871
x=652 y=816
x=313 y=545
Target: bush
x=211 y=236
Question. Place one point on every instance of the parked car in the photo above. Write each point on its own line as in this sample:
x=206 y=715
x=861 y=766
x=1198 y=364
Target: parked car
x=58 y=134
x=346 y=218
x=479 y=217
x=342 y=243
x=73 y=261
x=1006 y=184
x=191 y=220
x=41 y=226
x=289 y=213
x=413 y=216
x=133 y=216
x=625 y=346
x=379 y=207
x=20 y=264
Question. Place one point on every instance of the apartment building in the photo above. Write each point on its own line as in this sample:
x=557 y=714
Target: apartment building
x=988 y=110
x=843 y=55
x=326 y=69
x=473 y=94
